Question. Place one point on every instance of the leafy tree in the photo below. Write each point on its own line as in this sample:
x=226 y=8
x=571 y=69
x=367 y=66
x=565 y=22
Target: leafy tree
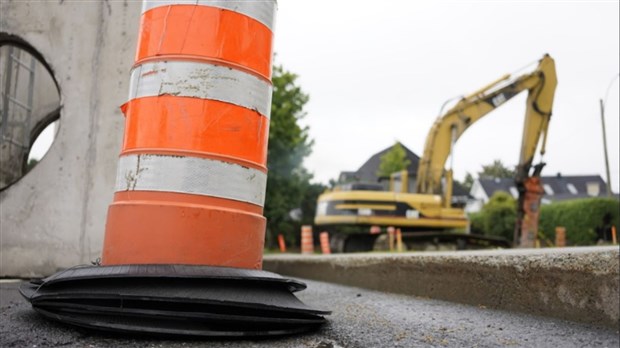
x=496 y=170
x=289 y=144
x=469 y=181
x=31 y=163
x=308 y=203
x=393 y=161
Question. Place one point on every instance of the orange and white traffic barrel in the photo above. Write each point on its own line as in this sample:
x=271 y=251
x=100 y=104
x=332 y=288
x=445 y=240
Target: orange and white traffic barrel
x=307 y=242
x=391 y=231
x=324 y=239
x=185 y=229
x=281 y=243
x=192 y=174
x=560 y=236
x=399 y=241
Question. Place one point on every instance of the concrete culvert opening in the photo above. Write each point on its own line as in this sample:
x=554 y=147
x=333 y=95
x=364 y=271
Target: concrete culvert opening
x=29 y=109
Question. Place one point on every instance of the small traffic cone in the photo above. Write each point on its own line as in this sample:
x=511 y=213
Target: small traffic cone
x=184 y=237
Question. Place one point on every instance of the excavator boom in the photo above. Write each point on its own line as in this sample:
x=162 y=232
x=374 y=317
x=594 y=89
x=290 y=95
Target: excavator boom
x=447 y=129
x=425 y=217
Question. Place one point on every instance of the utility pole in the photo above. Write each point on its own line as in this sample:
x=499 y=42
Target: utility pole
x=602 y=103
x=605 y=148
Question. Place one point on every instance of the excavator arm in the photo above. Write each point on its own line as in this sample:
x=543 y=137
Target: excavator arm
x=448 y=128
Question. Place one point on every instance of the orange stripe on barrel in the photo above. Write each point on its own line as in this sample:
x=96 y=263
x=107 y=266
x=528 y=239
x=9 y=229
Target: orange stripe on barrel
x=164 y=233
x=185 y=199
x=207 y=32
x=197 y=125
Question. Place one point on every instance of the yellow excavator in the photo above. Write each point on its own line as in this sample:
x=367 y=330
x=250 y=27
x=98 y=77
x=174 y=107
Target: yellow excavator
x=349 y=211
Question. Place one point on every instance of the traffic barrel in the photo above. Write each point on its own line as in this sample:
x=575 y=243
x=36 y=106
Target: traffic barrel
x=191 y=177
x=324 y=239
x=281 y=243
x=183 y=244
x=391 y=231
x=560 y=236
x=307 y=242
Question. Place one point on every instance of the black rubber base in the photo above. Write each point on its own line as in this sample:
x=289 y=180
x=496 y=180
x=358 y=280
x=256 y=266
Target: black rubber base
x=178 y=300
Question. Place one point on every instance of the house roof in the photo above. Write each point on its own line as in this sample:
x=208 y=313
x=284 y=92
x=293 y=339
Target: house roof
x=459 y=190
x=557 y=187
x=368 y=170
x=492 y=185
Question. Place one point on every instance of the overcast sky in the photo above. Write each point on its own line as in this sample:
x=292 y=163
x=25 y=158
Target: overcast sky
x=379 y=71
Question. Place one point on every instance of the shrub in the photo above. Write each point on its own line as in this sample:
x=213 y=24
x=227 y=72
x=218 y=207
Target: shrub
x=475 y=223
x=500 y=215
x=585 y=220
x=496 y=218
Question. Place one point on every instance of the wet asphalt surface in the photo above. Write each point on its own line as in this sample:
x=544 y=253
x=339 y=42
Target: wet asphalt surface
x=361 y=318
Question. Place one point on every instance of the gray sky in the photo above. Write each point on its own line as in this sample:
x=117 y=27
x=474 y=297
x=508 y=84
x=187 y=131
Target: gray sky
x=379 y=71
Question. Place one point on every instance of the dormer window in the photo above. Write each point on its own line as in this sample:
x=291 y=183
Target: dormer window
x=593 y=188
x=514 y=192
x=571 y=188
x=548 y=189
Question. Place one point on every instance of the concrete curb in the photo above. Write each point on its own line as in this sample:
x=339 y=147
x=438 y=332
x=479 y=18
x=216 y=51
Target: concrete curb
x=578 y=284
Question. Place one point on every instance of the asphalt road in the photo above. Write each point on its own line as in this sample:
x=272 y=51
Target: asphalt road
x=361 y=318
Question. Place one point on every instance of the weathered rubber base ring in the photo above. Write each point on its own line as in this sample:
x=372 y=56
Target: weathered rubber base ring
x=174 y=300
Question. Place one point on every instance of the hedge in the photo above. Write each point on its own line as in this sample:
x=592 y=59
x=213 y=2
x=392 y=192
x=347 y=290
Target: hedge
x=584 y=219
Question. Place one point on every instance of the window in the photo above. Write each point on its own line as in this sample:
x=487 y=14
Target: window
x=514 y=192
x=571 y=188
x=548 y=189
x=593 y=188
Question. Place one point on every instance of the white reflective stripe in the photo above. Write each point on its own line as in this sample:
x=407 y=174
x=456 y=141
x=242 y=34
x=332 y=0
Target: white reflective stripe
x=201 y=80
x=260 y=10
x=191 y=175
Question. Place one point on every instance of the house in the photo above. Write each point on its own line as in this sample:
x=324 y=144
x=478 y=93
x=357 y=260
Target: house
x=557 y=188
x=367 y=173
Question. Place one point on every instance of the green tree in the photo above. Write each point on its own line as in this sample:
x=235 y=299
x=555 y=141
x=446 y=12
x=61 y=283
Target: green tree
x=308 y=203
x=496 y=170
x=31 y=163
x=469 y=181
x=289 y=144
x=393 y=161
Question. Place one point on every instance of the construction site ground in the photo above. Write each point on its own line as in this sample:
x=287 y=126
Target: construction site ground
x=361 y=318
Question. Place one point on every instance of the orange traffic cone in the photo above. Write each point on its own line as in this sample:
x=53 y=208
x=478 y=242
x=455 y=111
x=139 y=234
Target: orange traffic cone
x=184 y=236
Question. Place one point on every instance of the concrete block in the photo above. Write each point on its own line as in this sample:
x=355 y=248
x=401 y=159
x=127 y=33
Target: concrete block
x=54 y=217
x=578 y=284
